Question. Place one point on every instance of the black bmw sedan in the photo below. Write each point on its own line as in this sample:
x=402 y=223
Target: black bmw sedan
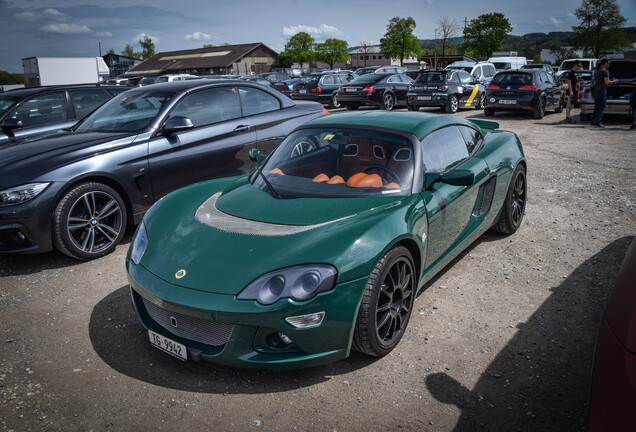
x=79 y=189
x=382 y=90
x=529 y=89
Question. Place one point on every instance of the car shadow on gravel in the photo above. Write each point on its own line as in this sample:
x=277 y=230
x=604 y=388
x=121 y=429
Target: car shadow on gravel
x=540 y=380
x=122 y=343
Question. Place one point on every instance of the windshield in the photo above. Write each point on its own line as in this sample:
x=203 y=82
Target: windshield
x=501 y=66
x=437 y=77
x=309 y=79
x=468 y=69
x=339 y=163
x=7 y=102
x=367 y=79
x=513 y=77
x=128 y=112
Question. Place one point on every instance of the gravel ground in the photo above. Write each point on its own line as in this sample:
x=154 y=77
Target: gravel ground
x=501 y=340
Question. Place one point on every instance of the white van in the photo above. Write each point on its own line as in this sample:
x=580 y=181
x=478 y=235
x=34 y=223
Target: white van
x=482 y=71
x=503 y=63
x=566 y=65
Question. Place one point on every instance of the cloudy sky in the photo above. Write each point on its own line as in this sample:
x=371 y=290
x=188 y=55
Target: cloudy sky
x=74 y=28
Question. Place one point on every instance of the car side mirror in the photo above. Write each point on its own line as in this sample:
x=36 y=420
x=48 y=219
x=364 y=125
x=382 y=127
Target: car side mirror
x=177 y=124
x=457 y=177
x=256 y=156
x=12 y=123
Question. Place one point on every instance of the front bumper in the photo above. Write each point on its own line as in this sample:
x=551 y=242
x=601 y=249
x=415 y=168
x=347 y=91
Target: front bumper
x=251 y=330
x=26 y=227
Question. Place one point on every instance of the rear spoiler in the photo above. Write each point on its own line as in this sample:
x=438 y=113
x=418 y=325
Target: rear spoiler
x=485 y=124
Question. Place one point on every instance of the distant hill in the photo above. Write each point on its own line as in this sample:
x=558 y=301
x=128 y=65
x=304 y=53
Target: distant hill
x=527 y=45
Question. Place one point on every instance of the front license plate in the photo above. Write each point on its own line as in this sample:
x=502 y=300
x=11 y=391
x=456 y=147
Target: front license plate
x=507 y=101
x=168 y=345
x=302 y=91
x=423 y=98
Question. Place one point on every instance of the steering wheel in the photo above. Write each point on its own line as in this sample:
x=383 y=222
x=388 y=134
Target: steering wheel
x=304 y=145
x=383 y=168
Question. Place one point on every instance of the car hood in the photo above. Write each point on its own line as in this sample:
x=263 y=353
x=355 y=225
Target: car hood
x=224 y=238
x=25 y=161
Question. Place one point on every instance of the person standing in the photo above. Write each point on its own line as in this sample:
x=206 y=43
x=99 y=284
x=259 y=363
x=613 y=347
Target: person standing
x=601 y=81
x=572 y=92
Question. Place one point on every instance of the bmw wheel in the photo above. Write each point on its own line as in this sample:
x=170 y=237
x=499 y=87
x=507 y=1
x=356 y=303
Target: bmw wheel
x=334 y=101
x=89 y=221
x=514 y=205
x=388 y=101
x=387 y=303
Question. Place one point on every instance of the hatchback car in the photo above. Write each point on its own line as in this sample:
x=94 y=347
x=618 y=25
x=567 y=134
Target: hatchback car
x=324 y=247
x=385 y=91
x=448 y=89
x=77 y=191
x=531 y=90
x=618 y=94
x=321 y=87
x=35 y=111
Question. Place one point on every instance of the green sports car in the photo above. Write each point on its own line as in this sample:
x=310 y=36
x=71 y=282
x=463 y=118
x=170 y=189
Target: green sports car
x=324 y=247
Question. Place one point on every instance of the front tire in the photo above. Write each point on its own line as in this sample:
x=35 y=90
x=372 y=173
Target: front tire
x=514 y=205
x=386 y=304
x=89 y=221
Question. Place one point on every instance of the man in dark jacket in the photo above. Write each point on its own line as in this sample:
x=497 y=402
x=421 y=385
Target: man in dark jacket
x=601 y=81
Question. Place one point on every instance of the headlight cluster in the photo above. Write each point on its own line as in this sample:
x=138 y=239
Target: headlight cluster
x=139 y=243
x=21 y=194
x=298 y=283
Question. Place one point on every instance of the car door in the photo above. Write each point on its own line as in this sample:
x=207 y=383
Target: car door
x=397 y=87
x=41 y=113
x=553 y=90
x=450 y=209
x=470 y=89
x=210 y=149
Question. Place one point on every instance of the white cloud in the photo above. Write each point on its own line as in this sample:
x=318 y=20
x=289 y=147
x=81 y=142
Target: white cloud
x=47 y=15
x=106 y=34
x=555 y=22
x=324 y=31
x=26 y=16
x=141 y=36
x=63 y=28
x=197 y=36
x=55 y=15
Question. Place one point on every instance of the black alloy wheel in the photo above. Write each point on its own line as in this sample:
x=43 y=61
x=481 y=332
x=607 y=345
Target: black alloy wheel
x=89 y=221
x=481 y=102
x=453 y=104
x=387 y=303
x=539 y=111
x=514 y=205
x=388 y=101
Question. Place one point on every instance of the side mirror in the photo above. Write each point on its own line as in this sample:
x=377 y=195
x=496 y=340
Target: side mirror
x=12 y=123
x=458 y=177
x=177 y=123
x=256 y=156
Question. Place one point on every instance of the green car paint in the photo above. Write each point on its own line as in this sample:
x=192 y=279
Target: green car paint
x=192 y=269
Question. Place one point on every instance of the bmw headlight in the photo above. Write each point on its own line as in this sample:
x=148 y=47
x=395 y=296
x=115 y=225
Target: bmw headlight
x=297 y=283
x=21 y=194
x=139 y=243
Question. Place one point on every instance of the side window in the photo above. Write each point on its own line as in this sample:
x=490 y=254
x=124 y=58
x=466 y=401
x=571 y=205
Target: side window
x=477 y=72
x=465 y=78
x=85 y=101
x=328 y=80
x=472 y=137
x=394 y=79
x=209 y=106
x=443 y=149
x=255 y=101
x=454 y=78
x=42 y=109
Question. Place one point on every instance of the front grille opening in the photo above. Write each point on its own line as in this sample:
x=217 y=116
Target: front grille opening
x=200 y=330
x=14 y=238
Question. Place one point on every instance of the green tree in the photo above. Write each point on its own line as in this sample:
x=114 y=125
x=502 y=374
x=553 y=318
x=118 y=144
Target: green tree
x=129 y=51
x=147 y=47
x=601 y=27
x=300 y=48
x=111 y=51
x=537 y=58
x=332 y=51
x=11 y=78
x=398 y=41
x=484 y=34
x=209 y=46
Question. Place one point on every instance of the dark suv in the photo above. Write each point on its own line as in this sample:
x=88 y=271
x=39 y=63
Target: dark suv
x=35 y=111
x=448 y=89
x=321 y=87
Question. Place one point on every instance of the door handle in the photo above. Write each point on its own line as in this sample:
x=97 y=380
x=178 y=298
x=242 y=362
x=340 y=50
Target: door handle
x=242 y=128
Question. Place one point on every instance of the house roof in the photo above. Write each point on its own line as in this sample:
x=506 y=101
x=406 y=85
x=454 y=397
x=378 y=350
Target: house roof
x=221 y=56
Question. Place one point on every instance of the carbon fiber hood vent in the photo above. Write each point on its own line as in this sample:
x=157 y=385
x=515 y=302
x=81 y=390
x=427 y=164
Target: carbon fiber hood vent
x=208 y=214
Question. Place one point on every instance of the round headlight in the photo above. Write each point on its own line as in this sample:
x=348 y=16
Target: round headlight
x=271 y=290
x=305 y=286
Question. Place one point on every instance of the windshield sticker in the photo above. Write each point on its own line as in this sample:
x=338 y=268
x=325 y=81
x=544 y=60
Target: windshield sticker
x=329 y=137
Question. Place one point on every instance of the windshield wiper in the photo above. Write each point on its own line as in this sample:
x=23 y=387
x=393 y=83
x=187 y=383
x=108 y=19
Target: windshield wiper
x=259 y=172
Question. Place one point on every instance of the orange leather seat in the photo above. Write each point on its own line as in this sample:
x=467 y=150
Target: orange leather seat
x=336 y=180
x=361 y=180
x=321 y=178
x=277 y=171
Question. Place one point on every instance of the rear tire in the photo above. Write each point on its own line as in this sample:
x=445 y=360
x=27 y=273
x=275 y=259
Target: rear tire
x=482 y=101
x=386 y=304
x=559 y=108
x=453 y=105
x=539 y=111
x=412 y=107
x=388 y=101
x=514 y=205
x=351 y=107
x=334 y=102
x=89 y=221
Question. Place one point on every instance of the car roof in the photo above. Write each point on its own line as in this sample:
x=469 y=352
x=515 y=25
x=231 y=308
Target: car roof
x=28 y=91
x=416 y=123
